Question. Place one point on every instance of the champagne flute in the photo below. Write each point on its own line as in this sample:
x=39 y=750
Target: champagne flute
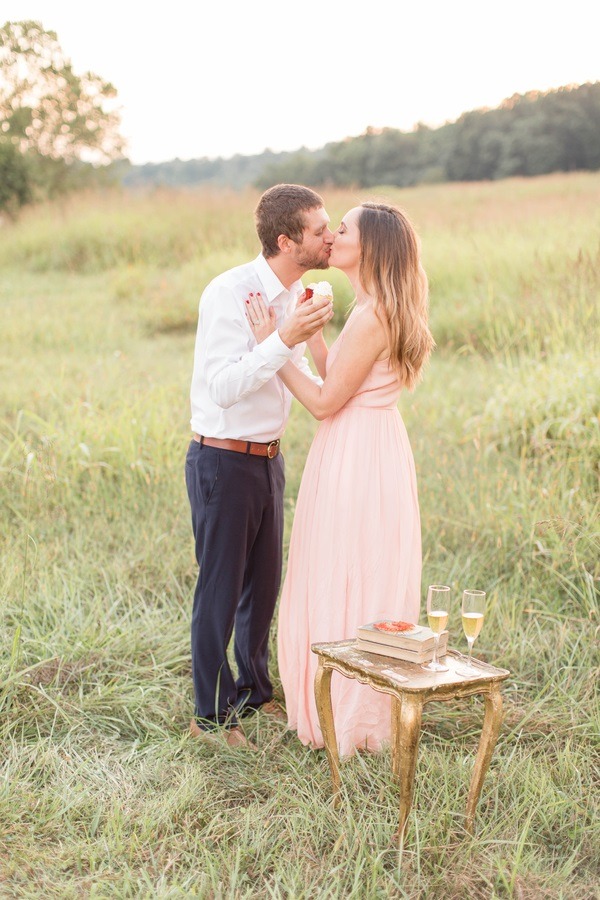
x=473 y=611
x=438 y=597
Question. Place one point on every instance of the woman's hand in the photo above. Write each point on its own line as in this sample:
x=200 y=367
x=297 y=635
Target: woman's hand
x=261 y=317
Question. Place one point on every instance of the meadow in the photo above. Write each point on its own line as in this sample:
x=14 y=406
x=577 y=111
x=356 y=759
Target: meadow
x=102 y=791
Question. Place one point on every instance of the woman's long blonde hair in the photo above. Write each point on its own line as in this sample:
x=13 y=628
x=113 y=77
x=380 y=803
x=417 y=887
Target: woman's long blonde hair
x=391 y=272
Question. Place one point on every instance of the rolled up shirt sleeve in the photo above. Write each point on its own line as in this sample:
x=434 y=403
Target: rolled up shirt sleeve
x=233 y=365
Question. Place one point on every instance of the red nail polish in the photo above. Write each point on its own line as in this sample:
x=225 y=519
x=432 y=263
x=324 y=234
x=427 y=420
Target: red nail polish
x=247 y=301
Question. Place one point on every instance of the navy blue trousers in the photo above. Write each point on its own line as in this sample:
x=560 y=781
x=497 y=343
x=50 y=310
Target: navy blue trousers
x=237 y=519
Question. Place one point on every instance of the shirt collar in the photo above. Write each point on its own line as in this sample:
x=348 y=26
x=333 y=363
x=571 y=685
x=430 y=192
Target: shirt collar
x=271 y=283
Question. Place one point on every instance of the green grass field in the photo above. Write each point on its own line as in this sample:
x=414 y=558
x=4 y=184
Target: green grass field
x=102 y=792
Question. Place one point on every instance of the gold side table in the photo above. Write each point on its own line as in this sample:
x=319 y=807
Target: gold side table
x=410 y=688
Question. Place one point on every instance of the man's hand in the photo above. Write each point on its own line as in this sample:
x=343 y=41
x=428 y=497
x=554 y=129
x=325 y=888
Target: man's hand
x=306 y=320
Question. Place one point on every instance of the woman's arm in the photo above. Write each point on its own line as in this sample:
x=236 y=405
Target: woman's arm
x=319 y=350
x=364 y=342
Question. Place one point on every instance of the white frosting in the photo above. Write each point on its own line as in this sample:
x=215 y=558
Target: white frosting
x=322 y=289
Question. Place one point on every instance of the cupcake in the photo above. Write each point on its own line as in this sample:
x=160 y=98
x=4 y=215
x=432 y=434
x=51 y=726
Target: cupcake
x=320 y=290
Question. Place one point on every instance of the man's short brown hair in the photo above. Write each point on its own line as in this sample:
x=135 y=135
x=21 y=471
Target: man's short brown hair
x=281 y=210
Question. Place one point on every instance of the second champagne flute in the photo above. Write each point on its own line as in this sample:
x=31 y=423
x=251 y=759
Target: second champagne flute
x=438 y=604
x=473 y=611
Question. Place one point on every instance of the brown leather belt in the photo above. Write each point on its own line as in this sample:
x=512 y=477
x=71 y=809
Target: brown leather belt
x=269 y=450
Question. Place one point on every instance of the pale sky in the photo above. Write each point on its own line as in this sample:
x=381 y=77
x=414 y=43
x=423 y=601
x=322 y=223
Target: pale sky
x=198 y=78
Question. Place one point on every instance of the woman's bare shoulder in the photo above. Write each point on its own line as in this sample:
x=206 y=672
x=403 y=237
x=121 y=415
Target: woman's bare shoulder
x=366 y=320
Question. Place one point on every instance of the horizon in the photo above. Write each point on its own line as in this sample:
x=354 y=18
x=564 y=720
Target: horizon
x=350 y=137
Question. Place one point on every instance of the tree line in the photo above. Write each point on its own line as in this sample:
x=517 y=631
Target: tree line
x=60 y=131
x=530 y=134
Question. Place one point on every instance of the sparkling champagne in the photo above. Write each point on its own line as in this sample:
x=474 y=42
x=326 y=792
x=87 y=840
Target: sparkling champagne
x=472 y=623
x=473 y=611
x=437 y=619
x=438 y=596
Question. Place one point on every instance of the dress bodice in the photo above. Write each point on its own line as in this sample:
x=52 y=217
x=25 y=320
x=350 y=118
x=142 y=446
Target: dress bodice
x=381 y=388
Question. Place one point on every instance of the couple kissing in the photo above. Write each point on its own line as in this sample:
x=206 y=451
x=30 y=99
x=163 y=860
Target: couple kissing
x=355 y=548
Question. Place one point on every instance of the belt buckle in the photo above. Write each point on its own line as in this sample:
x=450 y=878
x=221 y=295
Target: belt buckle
x=272 y=449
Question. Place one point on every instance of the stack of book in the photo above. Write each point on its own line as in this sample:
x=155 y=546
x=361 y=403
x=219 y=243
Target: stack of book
x=415 y=644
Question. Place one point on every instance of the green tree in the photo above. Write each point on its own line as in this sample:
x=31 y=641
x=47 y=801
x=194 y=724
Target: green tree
x=15 y=183
x=48 y=109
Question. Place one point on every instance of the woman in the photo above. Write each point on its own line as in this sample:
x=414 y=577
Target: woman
x=355 y=549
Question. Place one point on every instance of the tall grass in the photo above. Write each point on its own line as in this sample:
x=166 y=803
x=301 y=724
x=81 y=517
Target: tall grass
x=102 y=793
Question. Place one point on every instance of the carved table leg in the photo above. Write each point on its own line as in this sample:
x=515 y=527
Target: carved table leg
x=489 y=735
x=409 y=726
x=396 y=711
x=325 y=711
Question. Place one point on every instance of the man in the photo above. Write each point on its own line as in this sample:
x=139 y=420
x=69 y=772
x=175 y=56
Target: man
x=234 y=467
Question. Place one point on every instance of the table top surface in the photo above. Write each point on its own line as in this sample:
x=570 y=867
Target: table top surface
x=406 y=676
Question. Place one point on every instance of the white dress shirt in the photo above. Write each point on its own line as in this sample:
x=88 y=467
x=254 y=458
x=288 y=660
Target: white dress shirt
x=235 y=392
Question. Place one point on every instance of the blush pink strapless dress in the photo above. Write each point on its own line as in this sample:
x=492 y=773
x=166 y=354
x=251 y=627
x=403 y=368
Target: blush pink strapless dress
x=355 y=555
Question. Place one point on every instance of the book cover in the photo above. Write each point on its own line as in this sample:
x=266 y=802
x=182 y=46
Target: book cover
x=421 y=639
x=414 y=656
